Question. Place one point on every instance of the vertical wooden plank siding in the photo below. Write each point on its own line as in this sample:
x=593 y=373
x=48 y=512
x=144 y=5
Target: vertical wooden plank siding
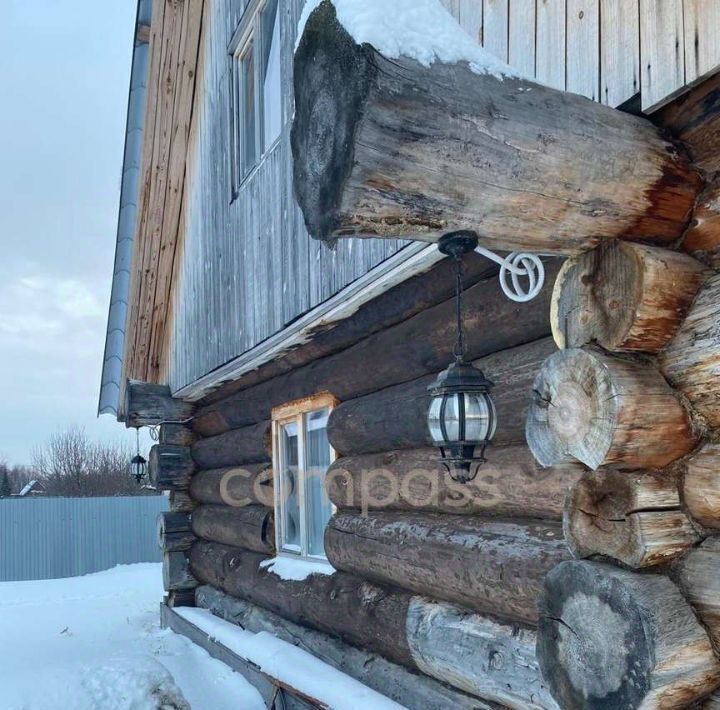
x=619 y=51
x=248 y=266
x=701 y=22
x=662 y=68
x=471 y=18
x=521 y=36
x=550 y=43
x=495 y=27
x=583 y=48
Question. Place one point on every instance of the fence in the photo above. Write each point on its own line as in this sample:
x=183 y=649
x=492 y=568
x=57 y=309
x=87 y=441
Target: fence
x=46 y=538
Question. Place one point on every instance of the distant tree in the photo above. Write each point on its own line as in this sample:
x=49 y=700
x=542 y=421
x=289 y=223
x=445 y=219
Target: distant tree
x=70 y=464
x=20 y=476
x=5 y=487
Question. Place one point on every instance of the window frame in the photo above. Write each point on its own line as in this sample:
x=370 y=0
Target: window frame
x=249 y=35
x=296 y=412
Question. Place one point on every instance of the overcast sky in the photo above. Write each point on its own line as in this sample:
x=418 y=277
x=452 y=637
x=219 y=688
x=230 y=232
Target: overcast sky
x=65 y=67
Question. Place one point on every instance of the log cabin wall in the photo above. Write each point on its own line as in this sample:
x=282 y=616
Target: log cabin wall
x=419 y=575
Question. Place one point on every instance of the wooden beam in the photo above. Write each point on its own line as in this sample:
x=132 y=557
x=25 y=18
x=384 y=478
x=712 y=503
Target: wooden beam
x=625 y=297
x=416 y=151
x=611 y=638
x=176 y=572
x=634 y=518
x=148 y=404
x=237 y=447
x=491 y=566
x=239 y=486
x=174 y=532
x=510 y=483
x=170 y=467
x=701 y=486
x=602 y=409
x=703 y=236
x=251 y=527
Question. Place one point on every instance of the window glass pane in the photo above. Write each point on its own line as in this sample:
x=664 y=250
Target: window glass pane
x=248 y=107
x=289 y=488
x=317 y=461
x=477 y=417
x=272 y=89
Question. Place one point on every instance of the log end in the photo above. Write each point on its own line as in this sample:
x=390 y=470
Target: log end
x=701 y=486
x=332 y=77
x=610 y=638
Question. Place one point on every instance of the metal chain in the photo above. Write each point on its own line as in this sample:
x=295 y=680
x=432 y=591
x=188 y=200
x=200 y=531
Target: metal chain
x=459 y=349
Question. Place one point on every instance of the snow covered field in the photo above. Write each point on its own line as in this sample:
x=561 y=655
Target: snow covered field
x=95 y=643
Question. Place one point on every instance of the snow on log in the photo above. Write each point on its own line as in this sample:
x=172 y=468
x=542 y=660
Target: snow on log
x=701 y=486
x=237 y=447
x=623 y=296
x=601 y=409
x=396 y=417
x=174 y=532
x=632 y=517
x=251 y=527
x=612 y=638
x=237 y=487
x=691 y=361
x=698 y=576
x=491 y=566
x=355 y=610
x=170 y=467
x=510 y=483
x=390 y=147
x=395 y=682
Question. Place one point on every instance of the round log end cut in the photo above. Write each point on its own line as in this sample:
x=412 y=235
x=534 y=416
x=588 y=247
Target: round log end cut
x=701 y=486
x=329 y=100
x=623 y=296
x=611 y=638
x=603 y=410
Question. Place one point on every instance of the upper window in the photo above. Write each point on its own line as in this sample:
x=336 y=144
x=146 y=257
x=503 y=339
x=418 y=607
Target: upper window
x=301 y=457
x=256 y=89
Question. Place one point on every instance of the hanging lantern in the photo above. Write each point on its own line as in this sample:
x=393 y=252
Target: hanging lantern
x=461 y=417
x=138 y=465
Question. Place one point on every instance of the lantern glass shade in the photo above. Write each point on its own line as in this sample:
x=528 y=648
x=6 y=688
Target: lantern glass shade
x=461 y=418
x=138 y=467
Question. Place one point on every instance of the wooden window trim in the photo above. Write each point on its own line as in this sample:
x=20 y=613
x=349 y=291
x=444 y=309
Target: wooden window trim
x=282 y=415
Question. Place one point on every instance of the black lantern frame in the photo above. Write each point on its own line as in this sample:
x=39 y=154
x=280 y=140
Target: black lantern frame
x=461 y=417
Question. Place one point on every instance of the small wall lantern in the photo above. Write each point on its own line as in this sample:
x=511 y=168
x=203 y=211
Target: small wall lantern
x=461 y=417
x=138 y=465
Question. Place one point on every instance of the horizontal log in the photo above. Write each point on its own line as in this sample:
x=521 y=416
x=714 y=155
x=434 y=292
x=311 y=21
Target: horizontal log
x=698 y=576
x=413 y=348
x=356 y=611
x=238 y=447
x=631 y=517
x=395 y=682
x=491 y=566
x=174 y=532
x=170 y=467
x=419 y=150
x=510 y=483
x=690 y=361
x=176 y=434
x=176 y=572
x=603 y=410
x=701 y=486
x=251 y=527
x=396 y=417
x=703 y=235
x=623 y=296
x=612 y=638
x=148 y=404
x=237 y=487
x=484 y=657
x=393 y=306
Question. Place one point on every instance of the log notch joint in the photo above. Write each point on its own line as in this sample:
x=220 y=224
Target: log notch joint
x=148 y=404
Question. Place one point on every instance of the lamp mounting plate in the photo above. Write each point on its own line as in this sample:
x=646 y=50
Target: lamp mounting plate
x=458 y=243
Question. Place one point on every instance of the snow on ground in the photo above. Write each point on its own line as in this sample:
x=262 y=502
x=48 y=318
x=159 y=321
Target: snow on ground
x=95 y=643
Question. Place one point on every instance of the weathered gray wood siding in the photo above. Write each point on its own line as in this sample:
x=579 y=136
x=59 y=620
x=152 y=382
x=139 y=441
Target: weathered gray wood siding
x=248 y=266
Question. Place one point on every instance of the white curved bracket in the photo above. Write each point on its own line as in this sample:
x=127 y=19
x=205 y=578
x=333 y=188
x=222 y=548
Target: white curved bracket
x=519 y=265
